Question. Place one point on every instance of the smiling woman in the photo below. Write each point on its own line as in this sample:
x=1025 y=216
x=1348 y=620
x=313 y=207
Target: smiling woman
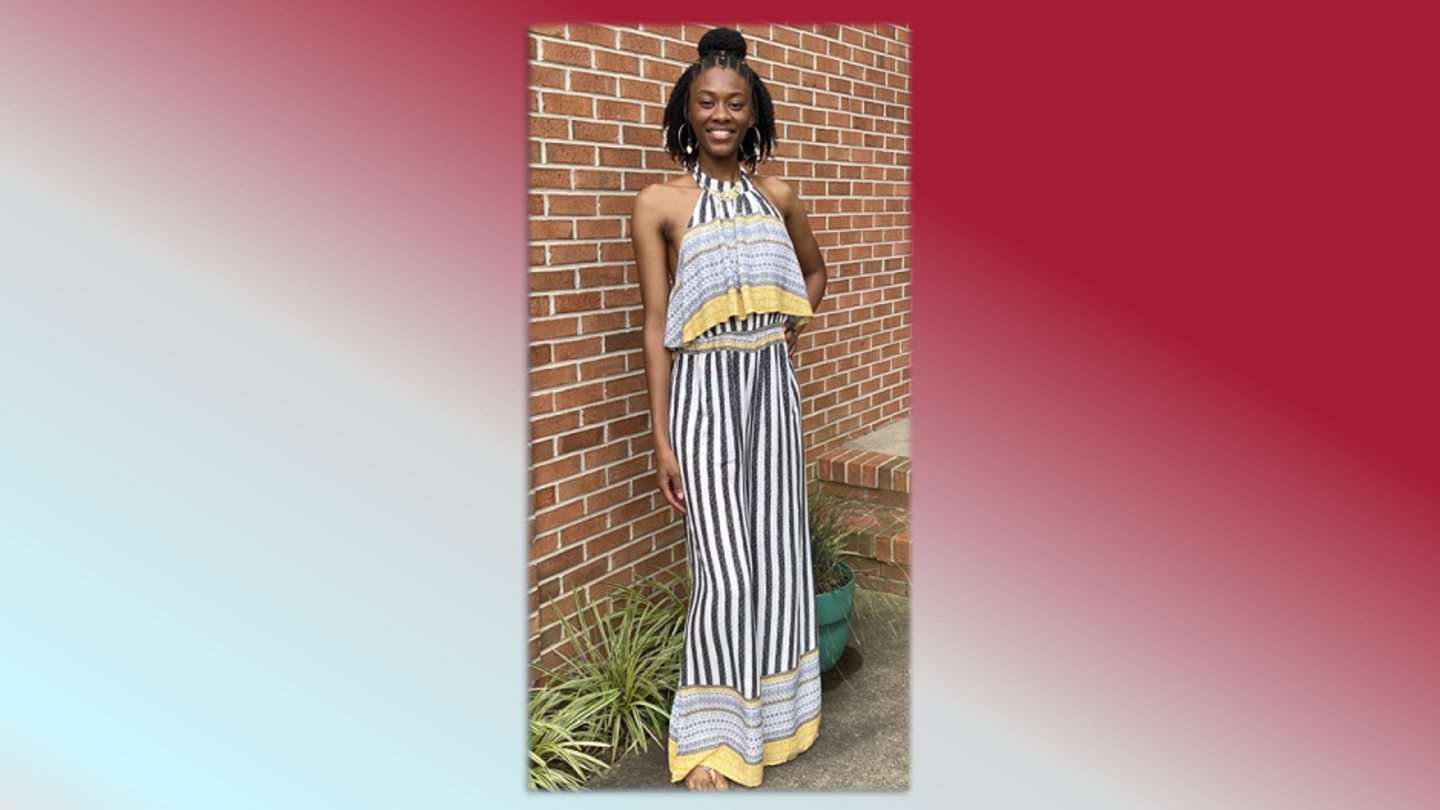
x=730 y=273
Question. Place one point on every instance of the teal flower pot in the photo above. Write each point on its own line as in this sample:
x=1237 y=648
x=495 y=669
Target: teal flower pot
x=832 y=615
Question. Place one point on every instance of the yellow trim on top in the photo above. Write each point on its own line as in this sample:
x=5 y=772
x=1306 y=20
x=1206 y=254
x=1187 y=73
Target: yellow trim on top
x=742 y=302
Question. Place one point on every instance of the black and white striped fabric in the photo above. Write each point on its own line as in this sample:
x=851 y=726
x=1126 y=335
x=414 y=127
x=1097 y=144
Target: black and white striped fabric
x=750 y=681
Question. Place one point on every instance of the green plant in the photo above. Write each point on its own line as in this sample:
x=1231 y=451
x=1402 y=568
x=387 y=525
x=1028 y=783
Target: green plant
x=560 y=757
x=829 y=542
x=620 y=677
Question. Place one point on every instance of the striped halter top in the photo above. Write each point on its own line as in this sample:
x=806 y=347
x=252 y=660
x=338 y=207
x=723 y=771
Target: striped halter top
x=735 y=259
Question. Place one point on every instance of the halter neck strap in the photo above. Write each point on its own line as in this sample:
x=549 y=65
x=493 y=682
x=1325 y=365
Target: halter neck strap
x=719 y=188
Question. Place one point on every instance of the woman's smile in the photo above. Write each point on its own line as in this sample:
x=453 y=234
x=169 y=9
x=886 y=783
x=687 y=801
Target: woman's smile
x=721 y=109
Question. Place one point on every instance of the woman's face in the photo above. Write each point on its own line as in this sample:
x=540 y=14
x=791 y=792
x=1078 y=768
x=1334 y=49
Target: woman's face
x=721 y=110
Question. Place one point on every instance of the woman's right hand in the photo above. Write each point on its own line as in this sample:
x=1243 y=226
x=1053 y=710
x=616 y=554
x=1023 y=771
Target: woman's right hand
x=667 y=476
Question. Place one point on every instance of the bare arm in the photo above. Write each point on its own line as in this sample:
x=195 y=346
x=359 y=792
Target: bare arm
x=807 y=250
x=647 y=234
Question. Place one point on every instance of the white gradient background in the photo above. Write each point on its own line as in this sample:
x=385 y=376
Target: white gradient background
x=262 y=407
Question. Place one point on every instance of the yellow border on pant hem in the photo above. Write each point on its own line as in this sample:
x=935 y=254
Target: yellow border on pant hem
x=729 y=762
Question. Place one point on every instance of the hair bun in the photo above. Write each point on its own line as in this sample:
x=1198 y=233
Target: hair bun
x=722 y=40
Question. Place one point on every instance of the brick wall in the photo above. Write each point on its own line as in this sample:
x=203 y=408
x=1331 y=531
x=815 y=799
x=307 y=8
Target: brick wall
x=597 y=96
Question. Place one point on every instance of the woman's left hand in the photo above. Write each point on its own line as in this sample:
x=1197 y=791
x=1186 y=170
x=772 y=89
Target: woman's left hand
x=792 y=338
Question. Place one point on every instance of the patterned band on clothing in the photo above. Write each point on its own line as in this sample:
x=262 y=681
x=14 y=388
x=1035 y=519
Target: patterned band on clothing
x=735 y=259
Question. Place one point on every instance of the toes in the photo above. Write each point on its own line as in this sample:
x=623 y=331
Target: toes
x=699 y=779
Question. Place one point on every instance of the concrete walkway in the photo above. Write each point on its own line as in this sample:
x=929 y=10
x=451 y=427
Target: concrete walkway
x=892 y=440
x=864 y=741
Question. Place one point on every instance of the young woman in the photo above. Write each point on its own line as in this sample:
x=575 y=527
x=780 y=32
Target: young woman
x=729 y=275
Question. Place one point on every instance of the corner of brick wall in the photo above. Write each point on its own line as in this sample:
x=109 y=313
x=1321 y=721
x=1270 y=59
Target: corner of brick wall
x=596 y=99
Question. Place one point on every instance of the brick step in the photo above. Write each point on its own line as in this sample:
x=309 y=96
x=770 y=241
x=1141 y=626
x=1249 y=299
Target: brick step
x=874 y=489
x=881 y=538
x=865 y=473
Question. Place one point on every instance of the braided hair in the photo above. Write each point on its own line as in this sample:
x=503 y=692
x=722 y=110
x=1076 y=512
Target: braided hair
x=720 y=47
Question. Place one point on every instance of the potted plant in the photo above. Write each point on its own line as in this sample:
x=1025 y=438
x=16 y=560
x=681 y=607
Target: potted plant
x=834 y=579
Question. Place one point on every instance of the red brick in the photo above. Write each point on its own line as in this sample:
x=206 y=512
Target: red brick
x=541 y=451
x=603 y=455
x=570 y=153
x=635 y=181
x=551 y=280
x=602 y=132
x=552 y=377
x=620 y=157
x=605 y=543
x=637 y=466
x=597 y=83
x=623 y=64
x=556 y=103
x=552 y=565
x=549 y=178
x=596 y=179
x=628 y=427
x=564 y=53
x=577 y=301
x=602 y=322
x=632 y=42
x=575 y=253
x=579 y=532
x=594 y=34
x=617 y=205
x=571 y=204
x=604 y=366
x=628 y=512
x=603 y=411
x=555 y=518
x=641 y=90
x=543 y=76
x=640 y=135
x=551 y=425
x=603 y=500
x=617 y=252
x=623 y=341
x=611 y=110
x=572 y=349
x=580 y=440
x=551 y=229
x=579 y=396
x=598 y=229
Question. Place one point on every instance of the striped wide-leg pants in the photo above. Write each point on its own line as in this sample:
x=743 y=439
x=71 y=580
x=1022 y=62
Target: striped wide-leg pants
x=749 y=691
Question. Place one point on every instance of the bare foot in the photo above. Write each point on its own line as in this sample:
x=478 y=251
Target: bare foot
x=699 y=779
x=702 y=777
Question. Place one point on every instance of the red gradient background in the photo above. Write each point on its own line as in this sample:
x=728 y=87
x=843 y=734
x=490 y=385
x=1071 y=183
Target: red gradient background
x=1176 y=382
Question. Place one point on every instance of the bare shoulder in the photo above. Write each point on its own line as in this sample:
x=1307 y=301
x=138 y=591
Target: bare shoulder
x=663 y=200
x=777 y=191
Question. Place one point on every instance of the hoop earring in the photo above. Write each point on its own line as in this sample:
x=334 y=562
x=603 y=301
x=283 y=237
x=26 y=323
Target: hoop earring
x=754 y=153
x=689 y=144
